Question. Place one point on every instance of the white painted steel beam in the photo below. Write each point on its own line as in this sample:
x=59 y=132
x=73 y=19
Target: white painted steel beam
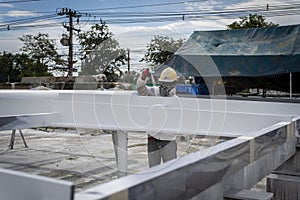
x=120 y=141
x=126 y=111
x=18 y=185
x=264 y=127
x=208 y=173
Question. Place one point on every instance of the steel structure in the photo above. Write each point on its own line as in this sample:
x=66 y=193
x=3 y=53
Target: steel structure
x=264 y=137
x=126 y=111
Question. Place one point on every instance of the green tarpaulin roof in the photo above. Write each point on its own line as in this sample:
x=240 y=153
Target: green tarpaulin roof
x=242 y=52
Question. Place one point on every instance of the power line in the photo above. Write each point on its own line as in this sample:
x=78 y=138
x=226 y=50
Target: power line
x=141 y=6
x=159 y=4
x=178 y=13
x=35 y=26
x=31 y=19
x=18 y=1
x=145 y=17
x=138 y=17
x=161 y=17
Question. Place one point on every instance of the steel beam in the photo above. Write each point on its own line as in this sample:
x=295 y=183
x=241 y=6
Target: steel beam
x=206 y=174
x=265 y=137
x=18 y=185
x=126 y=111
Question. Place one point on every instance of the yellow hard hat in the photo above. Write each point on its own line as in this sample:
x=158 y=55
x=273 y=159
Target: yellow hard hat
x=168 y=75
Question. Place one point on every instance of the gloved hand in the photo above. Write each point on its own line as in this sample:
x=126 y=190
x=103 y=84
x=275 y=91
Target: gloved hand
x=145 y=74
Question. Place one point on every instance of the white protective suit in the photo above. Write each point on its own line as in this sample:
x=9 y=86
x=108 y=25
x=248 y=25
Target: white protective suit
x=161 y=146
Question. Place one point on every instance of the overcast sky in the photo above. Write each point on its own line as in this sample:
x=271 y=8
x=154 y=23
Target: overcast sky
x=161 y=20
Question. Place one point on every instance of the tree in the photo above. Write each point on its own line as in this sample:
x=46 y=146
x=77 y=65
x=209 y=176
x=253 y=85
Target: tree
x=161 y=49
x=41 y=50
x=8 y=71
x=28 y=67
x=129 y=77
x=101 y=53
x=253 y=21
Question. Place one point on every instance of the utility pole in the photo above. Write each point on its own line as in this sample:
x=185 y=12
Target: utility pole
x=70 y=14
x=128 y=55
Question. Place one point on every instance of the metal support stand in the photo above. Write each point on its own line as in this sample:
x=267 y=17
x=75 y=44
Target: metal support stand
x=291 y=85
x=12 y=139
x=120 y=145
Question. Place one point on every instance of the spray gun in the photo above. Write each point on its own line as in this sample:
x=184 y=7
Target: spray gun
x=147 y=73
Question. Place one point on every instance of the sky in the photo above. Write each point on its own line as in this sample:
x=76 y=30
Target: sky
x=133 y=22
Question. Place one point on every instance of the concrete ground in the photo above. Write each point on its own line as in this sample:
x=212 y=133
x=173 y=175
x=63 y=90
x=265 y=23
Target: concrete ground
x=84 y=157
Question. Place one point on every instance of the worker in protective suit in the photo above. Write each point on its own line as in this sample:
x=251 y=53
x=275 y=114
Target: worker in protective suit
x=161 y=146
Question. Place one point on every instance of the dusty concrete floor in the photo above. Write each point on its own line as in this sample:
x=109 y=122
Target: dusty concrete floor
x=85 y=157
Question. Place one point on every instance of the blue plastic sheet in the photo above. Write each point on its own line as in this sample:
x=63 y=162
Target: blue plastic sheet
x=194 y=89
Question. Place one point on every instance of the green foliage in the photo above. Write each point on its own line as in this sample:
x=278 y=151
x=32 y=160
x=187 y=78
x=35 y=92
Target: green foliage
x=15 y=66
x=161 y=49
x=253 y=21
x=8 y=70
x=129 y=77
x=101 y=53
x=42 y=52
x=29 y=68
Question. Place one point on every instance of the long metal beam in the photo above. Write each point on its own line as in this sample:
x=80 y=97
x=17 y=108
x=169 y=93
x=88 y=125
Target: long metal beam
x=207 y=174
x=18 y=185
x=126 y=111
x=265 y=134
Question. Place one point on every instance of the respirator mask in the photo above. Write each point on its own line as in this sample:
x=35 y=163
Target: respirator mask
x=165 y=88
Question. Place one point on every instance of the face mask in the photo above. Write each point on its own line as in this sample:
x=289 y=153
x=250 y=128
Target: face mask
x=164 y=91
x=167 y=89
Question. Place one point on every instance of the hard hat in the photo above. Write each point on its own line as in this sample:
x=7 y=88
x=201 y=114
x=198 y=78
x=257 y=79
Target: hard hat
x=168 y=75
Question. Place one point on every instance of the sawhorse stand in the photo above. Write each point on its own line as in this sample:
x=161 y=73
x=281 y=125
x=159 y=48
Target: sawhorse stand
x=12 y=139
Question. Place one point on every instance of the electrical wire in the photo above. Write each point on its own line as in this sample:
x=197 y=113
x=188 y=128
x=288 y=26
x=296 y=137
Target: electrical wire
x=203 y=12
x=145 y=17
x=31 y=19
x=148 y=17
x=142 y=6
x=152 y=17
x=34 y=26
x=18 y=1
